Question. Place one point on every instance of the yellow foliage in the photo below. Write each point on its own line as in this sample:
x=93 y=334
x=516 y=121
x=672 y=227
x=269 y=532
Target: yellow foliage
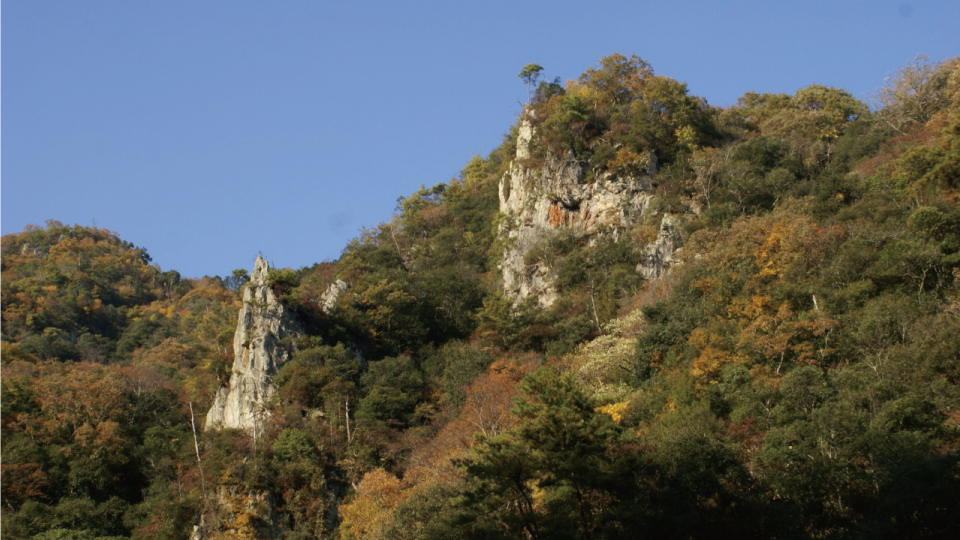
x=686 y=137
x=368 y=515
x=614 y=410
x=705 y=285
x=768 y=256
x=241 y=513
x=708 y=363
x=587 y=93
x=670 y=405
x=748 y=308
x=644 y=234
x=126 y=290
x=706 y=367
x=628 y=162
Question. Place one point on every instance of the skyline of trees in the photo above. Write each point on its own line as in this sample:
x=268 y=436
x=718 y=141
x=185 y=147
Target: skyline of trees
x=795 y=377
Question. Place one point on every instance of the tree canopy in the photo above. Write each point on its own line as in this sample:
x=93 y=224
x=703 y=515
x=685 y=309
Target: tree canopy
x=796 y=375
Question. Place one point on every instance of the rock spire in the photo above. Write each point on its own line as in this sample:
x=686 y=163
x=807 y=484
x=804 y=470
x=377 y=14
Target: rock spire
x=261 y=344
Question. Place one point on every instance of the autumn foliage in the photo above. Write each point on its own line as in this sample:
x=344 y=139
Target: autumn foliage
x=795 y=376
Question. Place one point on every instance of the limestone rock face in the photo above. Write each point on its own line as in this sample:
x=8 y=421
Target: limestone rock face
x=659 y=256
x=538 y=203
x=259 y=351
x=330 y=296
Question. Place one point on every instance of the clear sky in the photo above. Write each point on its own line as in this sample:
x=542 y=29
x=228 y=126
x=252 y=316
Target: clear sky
x=208 y=131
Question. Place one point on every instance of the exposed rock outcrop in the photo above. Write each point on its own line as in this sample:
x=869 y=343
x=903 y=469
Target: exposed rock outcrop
x=539 y=202
x=330 y=296
x=239 y=512
x=659 y=256
x=261 y=344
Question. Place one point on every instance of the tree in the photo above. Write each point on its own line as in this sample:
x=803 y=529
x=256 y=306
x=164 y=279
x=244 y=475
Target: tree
x=705 y=163
x=238 y=278
x=910 y=98
x=560 y=474
x=618 y=78
x=368 y=514
x=393 y=387
x=530 y=74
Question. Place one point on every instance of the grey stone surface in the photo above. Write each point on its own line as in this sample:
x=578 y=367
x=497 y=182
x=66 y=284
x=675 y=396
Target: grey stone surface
x=261 y=344
x=330 y=296
x=539 y=202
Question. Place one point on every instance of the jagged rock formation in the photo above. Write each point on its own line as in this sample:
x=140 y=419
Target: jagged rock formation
x=659 y=256
x=537 y=203
x=330 y=296
x=261 y=345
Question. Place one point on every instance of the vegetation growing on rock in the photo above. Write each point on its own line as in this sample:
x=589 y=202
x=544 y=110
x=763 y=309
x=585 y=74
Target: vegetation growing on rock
x=797 y=375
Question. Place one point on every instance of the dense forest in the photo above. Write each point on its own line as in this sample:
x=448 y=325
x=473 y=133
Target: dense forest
x=795 y=373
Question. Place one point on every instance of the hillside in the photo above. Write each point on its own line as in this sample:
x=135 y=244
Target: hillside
x=640 y=315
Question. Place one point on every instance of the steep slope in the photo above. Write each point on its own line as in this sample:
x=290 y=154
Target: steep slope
x=796 y=377
x=586 y=166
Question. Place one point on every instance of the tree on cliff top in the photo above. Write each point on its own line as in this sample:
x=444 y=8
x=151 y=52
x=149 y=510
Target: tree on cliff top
x=530 y=74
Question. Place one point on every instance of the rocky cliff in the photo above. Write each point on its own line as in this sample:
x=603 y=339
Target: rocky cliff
x=261 y=345
x=538 y=202
x=659 y=255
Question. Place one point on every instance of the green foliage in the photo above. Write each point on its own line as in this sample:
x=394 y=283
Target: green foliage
x=426 y=516
x=238 y=278
x=664 y=339
x=810 y=121
x=795 y=377
x=294 y=445
x=284 y=282
x=72 y=280
x=563 y=452
x=144 y=332
x=392 y=387
x=461 y=364
x=592 y=280
x=699 y=487
x=529 y=75
x=503 y=324
x=616 y=115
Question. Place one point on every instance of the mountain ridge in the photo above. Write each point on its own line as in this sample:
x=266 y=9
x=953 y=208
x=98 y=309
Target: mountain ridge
x=791 y=371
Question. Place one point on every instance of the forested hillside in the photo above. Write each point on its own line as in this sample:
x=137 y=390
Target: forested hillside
x=793 y=372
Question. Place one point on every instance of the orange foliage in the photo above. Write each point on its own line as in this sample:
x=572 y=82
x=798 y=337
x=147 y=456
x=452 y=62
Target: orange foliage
x=71 y=396
x=751 y=264
x=486 y=410
x=748 y=308
x=22 y=481
x=489 y=399
x=629 y=163
x=783 y=335
x=713 y=355
x=169 y=355
x=142 y=378
x=368 y=514
x=102 y=441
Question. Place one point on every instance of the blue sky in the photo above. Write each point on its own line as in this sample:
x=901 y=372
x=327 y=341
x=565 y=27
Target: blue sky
x=208 y=131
